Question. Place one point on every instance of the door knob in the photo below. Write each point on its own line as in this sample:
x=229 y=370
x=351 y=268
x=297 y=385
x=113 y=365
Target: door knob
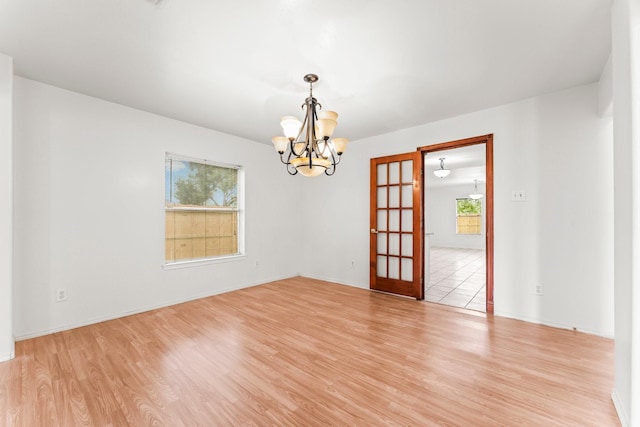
x=374 y=231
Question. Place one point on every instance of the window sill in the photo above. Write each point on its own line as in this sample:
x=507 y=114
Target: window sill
x=199 y=262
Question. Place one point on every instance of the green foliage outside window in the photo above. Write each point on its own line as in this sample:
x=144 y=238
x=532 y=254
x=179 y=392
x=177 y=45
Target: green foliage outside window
x=207 y=185
x=468 y=216
x=468 y=207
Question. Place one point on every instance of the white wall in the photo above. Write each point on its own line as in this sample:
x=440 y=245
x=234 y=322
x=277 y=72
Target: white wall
x=605 y=90
x=626 y=111
x=89 y=210
x=575 y=213
x=6 y=207
x=554 y=147
x=440 y=217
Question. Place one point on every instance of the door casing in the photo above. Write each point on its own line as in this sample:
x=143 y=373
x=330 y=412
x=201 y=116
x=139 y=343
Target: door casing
x=488 y=141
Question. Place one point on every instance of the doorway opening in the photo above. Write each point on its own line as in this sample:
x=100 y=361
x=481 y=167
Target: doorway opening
x=458 y=223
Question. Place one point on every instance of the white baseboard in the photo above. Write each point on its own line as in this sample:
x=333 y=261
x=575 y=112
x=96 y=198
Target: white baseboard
x=624 y=420
x=339 y=282
x=553 y=325
x=113 y=316
x=500 y=314
x=7 y=356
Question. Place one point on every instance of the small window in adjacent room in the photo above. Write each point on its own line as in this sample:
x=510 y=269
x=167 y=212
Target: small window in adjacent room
x=202 y=215
x=468 y=216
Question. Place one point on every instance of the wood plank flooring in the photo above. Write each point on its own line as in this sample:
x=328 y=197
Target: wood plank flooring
x=302 y=352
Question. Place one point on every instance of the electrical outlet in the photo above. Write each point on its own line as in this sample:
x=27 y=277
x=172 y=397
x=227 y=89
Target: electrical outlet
x=61 y=294
x=518 y=196
x=538 y=289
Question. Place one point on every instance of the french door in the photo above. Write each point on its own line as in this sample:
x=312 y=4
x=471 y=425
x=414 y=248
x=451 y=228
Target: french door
x=395 y=218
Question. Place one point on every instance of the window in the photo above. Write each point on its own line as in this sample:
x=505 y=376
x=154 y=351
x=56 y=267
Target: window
x=468 y=216
x=202 y=219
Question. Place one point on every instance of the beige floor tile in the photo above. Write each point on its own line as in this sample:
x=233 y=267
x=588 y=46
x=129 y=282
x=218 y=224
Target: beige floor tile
x=457 y=277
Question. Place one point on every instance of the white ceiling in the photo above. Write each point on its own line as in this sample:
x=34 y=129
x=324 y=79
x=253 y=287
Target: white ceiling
x=466 y=164
x=238 y=66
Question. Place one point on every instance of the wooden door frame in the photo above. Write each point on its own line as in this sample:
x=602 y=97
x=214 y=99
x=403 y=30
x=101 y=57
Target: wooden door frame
x=488 y=141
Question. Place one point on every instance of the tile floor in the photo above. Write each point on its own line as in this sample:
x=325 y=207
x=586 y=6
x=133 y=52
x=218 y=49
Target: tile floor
x=457 y=278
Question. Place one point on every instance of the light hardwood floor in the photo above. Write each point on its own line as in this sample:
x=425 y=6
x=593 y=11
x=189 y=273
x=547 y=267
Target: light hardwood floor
x=301 y=352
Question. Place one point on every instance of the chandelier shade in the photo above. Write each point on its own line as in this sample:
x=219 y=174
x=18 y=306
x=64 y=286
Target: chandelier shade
x=291 y=126
x=475 y=195
x=280 y=143
x=310 y=166
x=307 y=147
x=442 y=172
x=340 y=144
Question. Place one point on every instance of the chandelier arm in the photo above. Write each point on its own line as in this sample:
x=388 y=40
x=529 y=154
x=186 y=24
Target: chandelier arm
x=292 y=170
x=297 y=139
x=335 y=158
x=282 y=158
x=325 y=147
x=293 y=150
x=331 y=154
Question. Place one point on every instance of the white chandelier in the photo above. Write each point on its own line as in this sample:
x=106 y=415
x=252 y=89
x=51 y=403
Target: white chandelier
x=442 y=172
x=475 y=195
x=306 y=143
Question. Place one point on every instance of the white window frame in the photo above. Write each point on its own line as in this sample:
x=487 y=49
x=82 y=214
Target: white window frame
x=170 y=264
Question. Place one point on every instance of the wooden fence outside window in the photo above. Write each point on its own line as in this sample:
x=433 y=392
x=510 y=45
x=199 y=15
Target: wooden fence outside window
x=469 y=224
x=193 y=234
